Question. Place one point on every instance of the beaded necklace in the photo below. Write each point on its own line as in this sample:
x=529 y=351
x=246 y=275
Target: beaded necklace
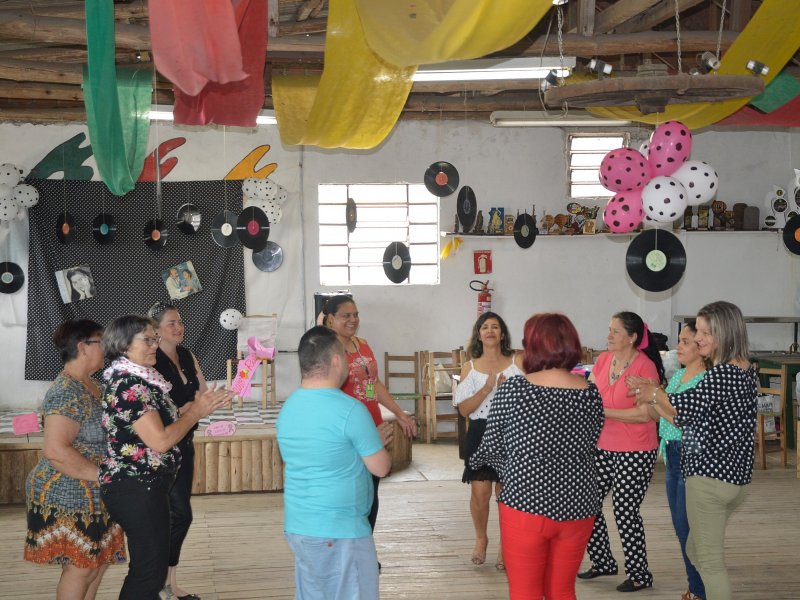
x=611 y=376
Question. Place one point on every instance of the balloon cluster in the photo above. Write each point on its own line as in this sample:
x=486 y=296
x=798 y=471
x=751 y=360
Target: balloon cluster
x=266 y=195
x=15 y=196
x=656 y=183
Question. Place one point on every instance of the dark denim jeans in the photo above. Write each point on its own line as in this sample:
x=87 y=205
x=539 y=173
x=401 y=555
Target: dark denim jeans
x=180 y=501
x=676 y=496
x=141 y=507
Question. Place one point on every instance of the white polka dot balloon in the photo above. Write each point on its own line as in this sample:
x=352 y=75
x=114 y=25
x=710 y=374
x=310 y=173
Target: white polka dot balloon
x=281 y=196
x=664 y=199
x=6 y=191
x=26 y=195
x=250 y=187
x=10 y=174
x=8 y=209
x=230 y=319
x=273 y=212
x=700 y=180
x=270 y=189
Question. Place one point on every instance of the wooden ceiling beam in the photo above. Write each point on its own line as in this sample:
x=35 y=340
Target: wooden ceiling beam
x=309 y=7
x=663 y=11
x=586 y=17
x=27 y=27
x=621 y=12
x=75 y=10
x=43 y=115
x=40 y=71
x=741 y=12
x=40 y=91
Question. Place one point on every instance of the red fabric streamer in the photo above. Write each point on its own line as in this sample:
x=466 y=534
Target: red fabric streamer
x=787 y=115
x=197 y=42
x=235 y=103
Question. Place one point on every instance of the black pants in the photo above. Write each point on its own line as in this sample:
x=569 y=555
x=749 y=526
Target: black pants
x=141 y=507
x=180 y=501
x=373 y=512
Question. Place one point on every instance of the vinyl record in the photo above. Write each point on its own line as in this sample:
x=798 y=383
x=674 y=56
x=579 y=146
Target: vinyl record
x=65 y=228
x=223 y=228
x=188 y=219
x=441 y=179
x=252 y=228
x=467 y=208
x=11 y=277
x=791 y=235
x=655 y=260
x=524 y=231
x=352 y=215
x=268 y=259
x=155 y=234
x=397 y=262
x=104 y=228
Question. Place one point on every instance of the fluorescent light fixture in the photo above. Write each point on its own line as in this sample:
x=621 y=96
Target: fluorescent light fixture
x=487 y=69
x=532 y=118
x=265 y=117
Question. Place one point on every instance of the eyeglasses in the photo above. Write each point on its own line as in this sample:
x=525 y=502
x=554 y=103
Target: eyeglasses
x=150 y=341
x=90 y=342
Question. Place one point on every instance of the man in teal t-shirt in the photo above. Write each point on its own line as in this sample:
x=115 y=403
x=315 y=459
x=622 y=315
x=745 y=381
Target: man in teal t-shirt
x=329 y=445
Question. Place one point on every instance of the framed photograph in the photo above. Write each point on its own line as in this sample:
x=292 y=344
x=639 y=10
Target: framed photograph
x=75 y=283
x=496 y=221
x=509 y=225
x=181 y=280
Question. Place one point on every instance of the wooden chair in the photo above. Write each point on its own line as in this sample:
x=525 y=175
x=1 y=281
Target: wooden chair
x=256 y=325
x=401 y=376
x=779 y=435
x=439 y=364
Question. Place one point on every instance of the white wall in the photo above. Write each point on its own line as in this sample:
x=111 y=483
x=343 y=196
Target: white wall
x=583 y=277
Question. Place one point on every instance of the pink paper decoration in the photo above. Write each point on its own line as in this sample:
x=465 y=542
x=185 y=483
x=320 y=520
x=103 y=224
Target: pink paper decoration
x=28 y=423
x=221 y=429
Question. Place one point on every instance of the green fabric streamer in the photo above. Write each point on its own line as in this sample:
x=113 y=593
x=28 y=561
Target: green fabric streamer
x=117 y=104
x=779 y=91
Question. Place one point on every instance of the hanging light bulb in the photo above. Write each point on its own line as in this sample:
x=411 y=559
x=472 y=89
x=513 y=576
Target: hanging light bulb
x=710 y=61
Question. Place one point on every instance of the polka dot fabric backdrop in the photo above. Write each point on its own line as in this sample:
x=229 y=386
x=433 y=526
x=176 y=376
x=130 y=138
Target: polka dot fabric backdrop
x=127 y=274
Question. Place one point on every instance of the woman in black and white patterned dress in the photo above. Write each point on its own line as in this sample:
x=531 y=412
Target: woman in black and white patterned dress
x=718 y=419
x=540 y=438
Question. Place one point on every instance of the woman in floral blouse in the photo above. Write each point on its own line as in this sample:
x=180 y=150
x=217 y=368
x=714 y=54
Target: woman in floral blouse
x=143 y=427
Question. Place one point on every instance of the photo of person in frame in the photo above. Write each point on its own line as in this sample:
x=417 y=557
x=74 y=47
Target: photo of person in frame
x=76 y=283
x=181 y=281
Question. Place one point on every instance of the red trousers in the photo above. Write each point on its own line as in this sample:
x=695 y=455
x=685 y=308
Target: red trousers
x=542 y=556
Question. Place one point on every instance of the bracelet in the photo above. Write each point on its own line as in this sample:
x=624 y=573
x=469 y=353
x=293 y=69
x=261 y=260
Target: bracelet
x=654 y=401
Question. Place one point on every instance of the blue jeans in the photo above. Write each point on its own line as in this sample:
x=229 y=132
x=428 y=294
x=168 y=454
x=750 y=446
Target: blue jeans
x=334 y=569
x=676 y=496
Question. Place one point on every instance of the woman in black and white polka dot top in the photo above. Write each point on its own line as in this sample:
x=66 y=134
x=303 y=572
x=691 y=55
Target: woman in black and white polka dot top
x=718 y=419
x=540 y=438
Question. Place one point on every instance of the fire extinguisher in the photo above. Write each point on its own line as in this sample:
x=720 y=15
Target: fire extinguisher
x=484 y=295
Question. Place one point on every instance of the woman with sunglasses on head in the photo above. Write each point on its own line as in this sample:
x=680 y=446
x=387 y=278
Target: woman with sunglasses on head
x=143 y=427
x=492 y=362
x=718 y=419
x=180 y=368
x=67 y=523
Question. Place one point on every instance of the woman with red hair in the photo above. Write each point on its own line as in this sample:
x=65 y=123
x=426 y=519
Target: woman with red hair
x=540 y=438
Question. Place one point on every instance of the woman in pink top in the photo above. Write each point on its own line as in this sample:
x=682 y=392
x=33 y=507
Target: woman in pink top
x=626 y=450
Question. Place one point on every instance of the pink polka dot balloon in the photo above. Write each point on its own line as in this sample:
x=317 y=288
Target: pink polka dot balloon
x=623 y=170
x=624 y=212
x=670 y=147
x=664 y=199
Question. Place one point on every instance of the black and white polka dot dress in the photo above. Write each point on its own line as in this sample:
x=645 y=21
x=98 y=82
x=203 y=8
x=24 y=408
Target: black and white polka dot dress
x=541 y=441
x=718 y=418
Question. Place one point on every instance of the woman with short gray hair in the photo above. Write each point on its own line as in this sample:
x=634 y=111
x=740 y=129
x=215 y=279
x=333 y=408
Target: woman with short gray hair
x=143 y=428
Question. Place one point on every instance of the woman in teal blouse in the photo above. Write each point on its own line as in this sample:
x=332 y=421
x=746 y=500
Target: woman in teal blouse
x=683 y=379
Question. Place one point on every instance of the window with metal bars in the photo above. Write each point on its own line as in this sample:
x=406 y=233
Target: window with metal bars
x=386 y=213
x=585 y=152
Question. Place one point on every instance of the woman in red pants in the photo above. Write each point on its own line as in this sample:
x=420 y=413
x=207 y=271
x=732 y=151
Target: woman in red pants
x=540 y=437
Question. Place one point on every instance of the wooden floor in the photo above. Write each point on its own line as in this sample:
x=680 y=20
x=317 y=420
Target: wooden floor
x=236 y=550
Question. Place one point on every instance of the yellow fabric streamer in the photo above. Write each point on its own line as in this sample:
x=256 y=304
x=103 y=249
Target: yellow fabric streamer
x=451 y=247
x=357 y=100
x=432 y=31
x=772 y=37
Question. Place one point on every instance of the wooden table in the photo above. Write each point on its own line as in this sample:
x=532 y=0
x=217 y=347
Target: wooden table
x=789 y=365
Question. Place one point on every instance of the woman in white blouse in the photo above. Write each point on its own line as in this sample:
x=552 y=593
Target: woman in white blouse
x=493 y=361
